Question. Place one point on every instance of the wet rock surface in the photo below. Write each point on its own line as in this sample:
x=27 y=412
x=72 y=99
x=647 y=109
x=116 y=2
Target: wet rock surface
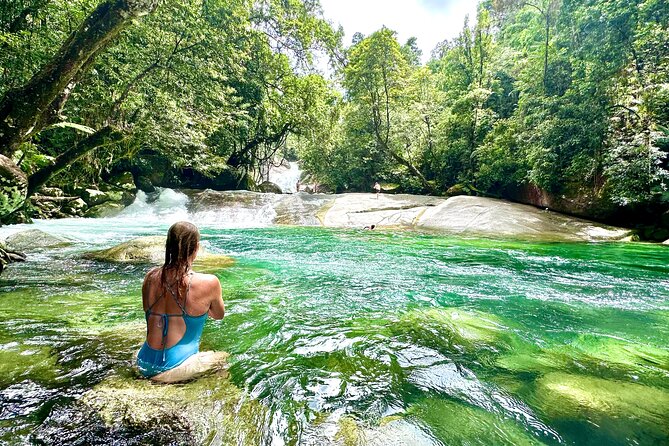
x=126 y=411
x=151 y=249
x=35 y=240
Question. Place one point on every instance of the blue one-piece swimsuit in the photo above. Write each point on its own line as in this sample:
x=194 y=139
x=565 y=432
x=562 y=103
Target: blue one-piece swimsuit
x=151 y=361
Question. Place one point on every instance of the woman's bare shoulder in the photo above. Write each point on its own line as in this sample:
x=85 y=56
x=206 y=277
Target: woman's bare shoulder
x=152 y=275
x=206 y=278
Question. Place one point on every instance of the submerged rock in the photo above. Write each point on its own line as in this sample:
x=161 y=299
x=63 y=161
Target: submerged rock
x=456 y=423
x=210 y=410
x=35 y=240
x=151 y=249
x=19 y=362
x=624 y=410
x=616 y=351
x=454 y=326
x=589 y=352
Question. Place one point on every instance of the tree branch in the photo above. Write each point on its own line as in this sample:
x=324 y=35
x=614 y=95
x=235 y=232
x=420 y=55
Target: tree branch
x=102 y=137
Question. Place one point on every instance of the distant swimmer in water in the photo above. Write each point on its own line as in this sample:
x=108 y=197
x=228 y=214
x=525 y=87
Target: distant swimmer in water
x=176 y=302
x=377 y=189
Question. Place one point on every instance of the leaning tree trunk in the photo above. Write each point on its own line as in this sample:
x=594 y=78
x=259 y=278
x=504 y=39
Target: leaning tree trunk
x=103 y=136
x=22 y=110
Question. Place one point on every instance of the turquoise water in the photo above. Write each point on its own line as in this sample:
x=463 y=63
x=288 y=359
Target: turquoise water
x=419 y=338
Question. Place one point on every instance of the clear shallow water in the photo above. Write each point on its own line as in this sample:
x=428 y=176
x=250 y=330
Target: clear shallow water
x=410 y=337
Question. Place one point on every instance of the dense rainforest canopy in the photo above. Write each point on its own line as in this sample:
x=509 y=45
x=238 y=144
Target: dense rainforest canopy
x=552 y=102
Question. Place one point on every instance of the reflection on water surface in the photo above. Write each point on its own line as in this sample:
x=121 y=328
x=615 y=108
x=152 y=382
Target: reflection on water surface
x=368 y=337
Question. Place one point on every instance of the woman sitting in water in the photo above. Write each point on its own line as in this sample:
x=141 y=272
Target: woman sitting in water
x=176 y=303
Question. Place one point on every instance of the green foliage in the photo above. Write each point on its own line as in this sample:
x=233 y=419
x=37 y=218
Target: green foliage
x=207 y=84
x=569 y=96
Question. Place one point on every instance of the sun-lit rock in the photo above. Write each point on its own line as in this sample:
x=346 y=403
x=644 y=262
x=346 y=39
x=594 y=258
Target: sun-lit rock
x=209 y=410
x=493 y=217
x=454 y=325
x=616 y=351
x=35 y=240
x=151 y=249
x=605 y=402
x=360 y=210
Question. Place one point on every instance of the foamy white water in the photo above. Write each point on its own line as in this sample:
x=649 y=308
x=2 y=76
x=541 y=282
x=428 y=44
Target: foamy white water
x=286 y=179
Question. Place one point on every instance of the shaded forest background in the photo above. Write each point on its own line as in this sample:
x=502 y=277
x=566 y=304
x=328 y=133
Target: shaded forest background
x=558 y=103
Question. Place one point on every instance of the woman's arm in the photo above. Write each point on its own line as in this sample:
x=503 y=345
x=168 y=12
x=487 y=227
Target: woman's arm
x=216 y=307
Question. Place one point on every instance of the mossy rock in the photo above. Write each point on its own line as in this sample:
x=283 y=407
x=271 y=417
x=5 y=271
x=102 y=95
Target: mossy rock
x=349 y=432
x=459 y=189
x=104 y=210
x=456 y=327
x=626 y=410
x=389 y=187
x=19 y=362
x=616 y=351
x=533 y=360
x=456 y=423
x=35 y=240
x=151 y=250
x=269 y=187
x=125 y=181
x=207 y=411
x=208 y=263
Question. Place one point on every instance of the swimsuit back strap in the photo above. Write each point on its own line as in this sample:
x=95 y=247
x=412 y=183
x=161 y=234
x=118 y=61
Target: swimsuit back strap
x=165 y=318
x=176 y=297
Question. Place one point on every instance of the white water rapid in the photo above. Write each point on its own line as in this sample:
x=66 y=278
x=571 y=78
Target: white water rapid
x=286 y=179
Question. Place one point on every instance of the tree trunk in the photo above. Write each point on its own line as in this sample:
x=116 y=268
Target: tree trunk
x=22 y=110
x=409 y=165
x=97 y=139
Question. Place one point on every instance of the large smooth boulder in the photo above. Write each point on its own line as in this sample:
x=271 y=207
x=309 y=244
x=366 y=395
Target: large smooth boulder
x=151 y=249
x=269 y=187
x=94 y=197
x=493 y=217
x=360 y=210
x=35 y=240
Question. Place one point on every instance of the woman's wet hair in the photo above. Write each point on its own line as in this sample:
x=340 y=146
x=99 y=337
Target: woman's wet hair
x=182 y=242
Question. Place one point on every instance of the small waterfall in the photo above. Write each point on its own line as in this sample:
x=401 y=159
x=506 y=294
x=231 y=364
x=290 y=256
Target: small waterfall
x=164 y=206
x=233 y=209
x=286 y=178
x=217 y=209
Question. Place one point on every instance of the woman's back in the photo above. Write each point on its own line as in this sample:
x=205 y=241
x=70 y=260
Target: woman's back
x=176 y=303
x=191 y=296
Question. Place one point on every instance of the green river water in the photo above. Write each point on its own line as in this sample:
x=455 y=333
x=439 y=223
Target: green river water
x=396 y=336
